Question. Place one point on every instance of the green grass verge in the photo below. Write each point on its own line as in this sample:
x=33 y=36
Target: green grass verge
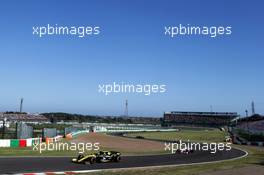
x=193 y=135
x=28 y=151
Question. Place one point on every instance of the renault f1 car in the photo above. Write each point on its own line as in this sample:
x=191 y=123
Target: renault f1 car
x=100 y=157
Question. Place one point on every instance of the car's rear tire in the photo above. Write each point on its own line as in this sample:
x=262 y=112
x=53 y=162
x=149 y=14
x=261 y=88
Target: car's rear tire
x=117 y=158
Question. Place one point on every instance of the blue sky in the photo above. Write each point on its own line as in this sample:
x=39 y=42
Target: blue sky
x=62 y=73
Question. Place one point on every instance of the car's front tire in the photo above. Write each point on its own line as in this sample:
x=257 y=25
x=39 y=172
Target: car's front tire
x=92 y=160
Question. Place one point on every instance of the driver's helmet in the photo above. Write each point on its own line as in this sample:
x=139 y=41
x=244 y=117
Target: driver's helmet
x=80 y=156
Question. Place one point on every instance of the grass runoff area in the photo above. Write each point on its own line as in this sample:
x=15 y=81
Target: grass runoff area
x=88 y=143
x=212 y=135
x=5 y=152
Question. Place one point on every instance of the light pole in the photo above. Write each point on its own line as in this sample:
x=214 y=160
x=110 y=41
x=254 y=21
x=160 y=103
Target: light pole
x=4 y=122
x=246 y=113
x=247 y=120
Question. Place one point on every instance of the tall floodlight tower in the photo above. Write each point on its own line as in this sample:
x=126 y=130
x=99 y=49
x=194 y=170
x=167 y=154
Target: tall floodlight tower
x=246 y=112
x=21 y=105
x=126 y=109
x=211 y=108
x=253 y=107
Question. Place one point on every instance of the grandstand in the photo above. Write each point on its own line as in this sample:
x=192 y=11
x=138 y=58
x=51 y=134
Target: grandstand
x=253 y=124
x=23 y=117
x=199 y=118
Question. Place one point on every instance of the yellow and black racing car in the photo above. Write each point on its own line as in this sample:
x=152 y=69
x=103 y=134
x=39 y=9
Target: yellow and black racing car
x=100 y=157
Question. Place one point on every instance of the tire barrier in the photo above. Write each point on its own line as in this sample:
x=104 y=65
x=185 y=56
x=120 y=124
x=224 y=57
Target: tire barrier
x=69 y=136
x=74 y=134
x=54 y=139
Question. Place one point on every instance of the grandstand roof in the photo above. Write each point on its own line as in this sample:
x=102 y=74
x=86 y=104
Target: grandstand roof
x=23 y=117
x=233 y=114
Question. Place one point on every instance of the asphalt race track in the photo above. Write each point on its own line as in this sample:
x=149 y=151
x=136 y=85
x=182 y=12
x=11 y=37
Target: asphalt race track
x=13 y=165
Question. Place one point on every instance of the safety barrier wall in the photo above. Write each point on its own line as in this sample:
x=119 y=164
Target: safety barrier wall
x=237 y=140
x=73 y=134
x=140 y=130
x=5 y=143
x=255 y=143
x=15 y=143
